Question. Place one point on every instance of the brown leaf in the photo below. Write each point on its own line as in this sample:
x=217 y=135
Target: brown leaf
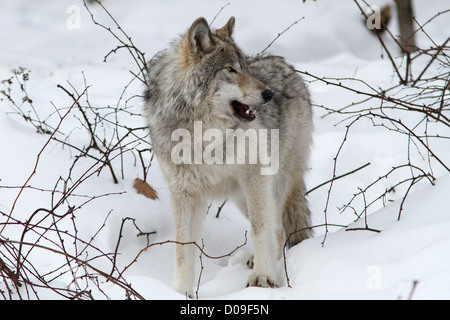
x=144 y=188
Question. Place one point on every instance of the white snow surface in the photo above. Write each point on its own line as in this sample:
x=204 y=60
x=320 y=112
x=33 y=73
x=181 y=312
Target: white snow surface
x=409 y=258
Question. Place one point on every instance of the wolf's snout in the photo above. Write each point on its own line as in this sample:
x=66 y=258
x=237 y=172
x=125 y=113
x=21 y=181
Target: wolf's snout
x=267 y=95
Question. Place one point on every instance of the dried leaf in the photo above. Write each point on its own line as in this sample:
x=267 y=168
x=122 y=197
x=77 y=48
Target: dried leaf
x=144 y=188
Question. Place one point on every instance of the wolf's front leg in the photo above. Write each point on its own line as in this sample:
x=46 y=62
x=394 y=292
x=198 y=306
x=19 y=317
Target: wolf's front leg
x=188 y=219
x=265 y=219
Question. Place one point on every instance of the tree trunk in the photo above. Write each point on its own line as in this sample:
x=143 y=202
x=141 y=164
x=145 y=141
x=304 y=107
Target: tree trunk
x=405 y=16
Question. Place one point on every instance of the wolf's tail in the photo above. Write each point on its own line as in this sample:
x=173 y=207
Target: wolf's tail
x=296 y=215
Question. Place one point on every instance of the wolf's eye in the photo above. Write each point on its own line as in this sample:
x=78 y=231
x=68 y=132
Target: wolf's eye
x=230 y=69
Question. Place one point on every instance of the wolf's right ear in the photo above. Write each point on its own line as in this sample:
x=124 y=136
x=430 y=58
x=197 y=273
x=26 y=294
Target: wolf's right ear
x=200 y=39
x=227 y=30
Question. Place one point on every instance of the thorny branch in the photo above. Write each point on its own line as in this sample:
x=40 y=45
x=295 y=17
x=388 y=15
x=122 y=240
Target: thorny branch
x=427 y=98
x=37 y=160
x=53 y=229
x=125 y=43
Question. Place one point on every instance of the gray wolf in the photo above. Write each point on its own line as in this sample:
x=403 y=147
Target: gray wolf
x=204 y=78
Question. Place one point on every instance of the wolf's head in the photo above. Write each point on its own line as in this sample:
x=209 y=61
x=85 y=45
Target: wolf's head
x=218 y=65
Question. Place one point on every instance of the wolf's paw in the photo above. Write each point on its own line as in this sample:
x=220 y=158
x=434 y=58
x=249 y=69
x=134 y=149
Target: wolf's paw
x=182 y=288
x=262 y=281
x=251 y=261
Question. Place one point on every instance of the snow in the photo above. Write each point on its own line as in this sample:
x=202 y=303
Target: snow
x=408 y=258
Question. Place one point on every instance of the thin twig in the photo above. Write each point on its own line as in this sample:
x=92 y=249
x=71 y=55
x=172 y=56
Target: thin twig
x=279 y=35
x=337 y=177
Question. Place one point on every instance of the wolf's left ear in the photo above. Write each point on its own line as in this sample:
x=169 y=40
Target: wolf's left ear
x=227 y=30
x=200 y=36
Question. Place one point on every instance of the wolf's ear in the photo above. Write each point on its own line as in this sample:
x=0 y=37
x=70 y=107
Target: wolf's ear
x=200 y=39
x=227 y=30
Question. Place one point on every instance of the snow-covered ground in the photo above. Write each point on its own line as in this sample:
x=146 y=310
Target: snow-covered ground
x=407 y=259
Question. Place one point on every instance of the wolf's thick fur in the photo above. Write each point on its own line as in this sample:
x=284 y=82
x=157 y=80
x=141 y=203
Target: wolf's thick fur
x=205 y=77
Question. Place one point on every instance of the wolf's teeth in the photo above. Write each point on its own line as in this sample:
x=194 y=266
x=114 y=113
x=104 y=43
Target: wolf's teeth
x=248 y=111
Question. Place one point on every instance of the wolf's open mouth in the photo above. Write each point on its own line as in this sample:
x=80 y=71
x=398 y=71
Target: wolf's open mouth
x=243 y=111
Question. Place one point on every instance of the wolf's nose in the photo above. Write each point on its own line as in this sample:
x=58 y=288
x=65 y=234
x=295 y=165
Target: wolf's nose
x=267 y=95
